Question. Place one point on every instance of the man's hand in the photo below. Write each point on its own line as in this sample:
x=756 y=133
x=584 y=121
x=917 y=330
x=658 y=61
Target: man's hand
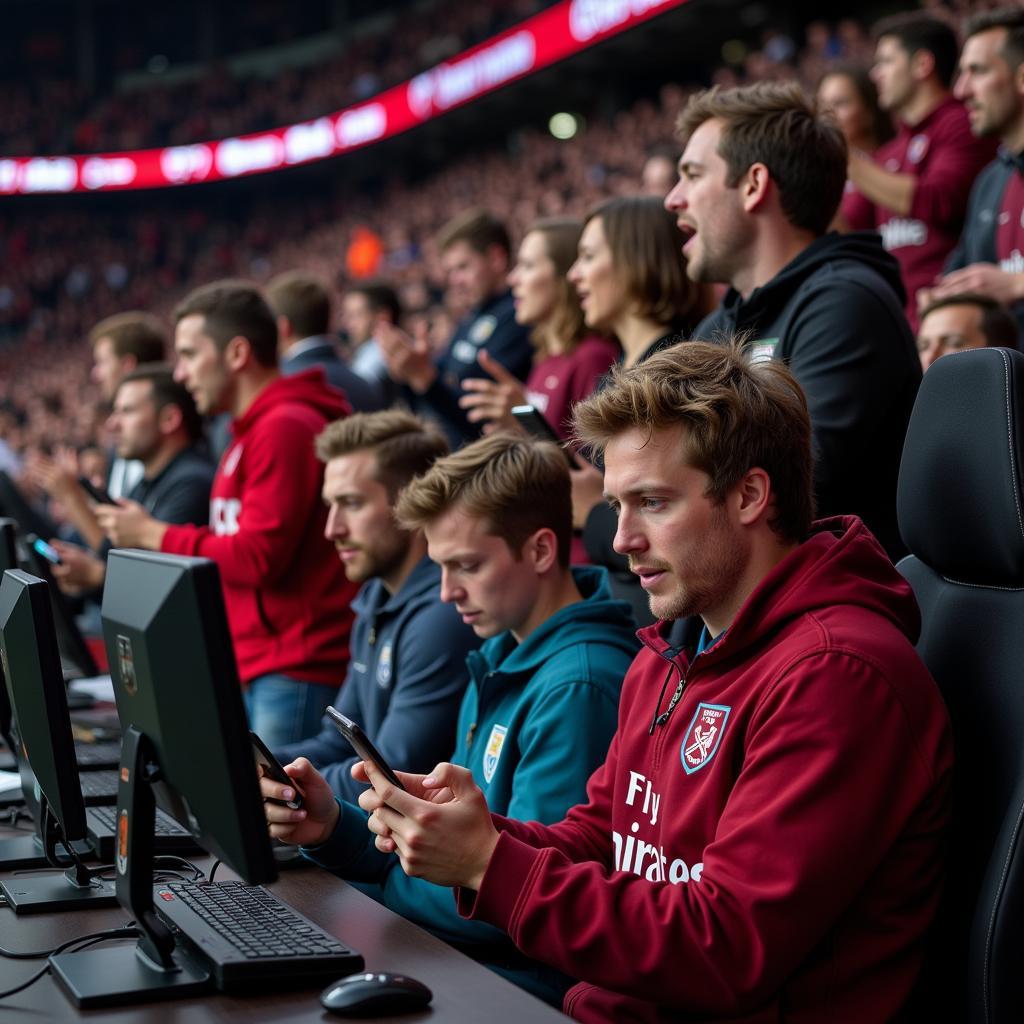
x=78 y=570
x=979 y=279
x=440 y=828
x=491 y=401
x=587 y=491
x=56 y=475
x=409 y=362
x=315 y=821
x=128 y=525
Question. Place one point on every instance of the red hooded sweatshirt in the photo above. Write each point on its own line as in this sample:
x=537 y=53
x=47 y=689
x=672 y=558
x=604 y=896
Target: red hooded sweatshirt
x=285 y=591
x=772 y=850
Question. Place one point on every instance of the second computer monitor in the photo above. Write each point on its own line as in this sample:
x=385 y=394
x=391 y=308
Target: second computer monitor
x=175 y=681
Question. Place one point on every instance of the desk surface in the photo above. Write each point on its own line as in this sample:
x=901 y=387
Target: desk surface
x=463 y=990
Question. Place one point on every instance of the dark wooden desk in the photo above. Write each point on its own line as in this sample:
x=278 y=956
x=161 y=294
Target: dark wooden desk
x=463 y=990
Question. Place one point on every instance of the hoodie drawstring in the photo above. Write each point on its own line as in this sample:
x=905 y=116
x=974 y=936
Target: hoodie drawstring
x=664 y=686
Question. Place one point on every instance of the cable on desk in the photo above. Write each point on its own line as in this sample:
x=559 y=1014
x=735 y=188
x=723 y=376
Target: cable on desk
x=213 y=871
x=128 y=929
x=85 y=941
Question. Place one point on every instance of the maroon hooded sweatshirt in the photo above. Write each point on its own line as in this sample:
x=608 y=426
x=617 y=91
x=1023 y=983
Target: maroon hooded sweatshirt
x=772 y=849
x=285 y=591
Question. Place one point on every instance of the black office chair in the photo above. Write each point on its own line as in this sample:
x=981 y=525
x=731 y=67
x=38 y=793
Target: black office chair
x=961 y=513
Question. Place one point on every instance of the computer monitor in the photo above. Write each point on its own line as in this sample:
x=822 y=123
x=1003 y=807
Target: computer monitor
x=45 y=750
x=186 y=747
x=8 y=560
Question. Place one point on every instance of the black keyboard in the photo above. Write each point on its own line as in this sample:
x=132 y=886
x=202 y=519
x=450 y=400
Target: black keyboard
x=249 y=936
x=98 y=755
x=99 y=787
x=168 y=835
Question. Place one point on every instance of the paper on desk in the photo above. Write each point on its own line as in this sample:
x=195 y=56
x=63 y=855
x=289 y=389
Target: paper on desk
x=97 y=687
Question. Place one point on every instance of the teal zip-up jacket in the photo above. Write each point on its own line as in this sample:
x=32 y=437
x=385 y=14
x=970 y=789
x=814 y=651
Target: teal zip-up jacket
x=536 y=720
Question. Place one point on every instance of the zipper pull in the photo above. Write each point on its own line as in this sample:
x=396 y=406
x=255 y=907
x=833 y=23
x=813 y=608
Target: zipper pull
x=372 y=639
x=469 y=736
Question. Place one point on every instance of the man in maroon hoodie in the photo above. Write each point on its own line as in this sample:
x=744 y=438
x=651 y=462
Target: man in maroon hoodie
x=286 y=594
x=764 y=840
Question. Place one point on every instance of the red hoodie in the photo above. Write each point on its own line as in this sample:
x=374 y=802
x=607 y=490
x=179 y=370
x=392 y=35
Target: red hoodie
x=774 y=850
x=285 y=591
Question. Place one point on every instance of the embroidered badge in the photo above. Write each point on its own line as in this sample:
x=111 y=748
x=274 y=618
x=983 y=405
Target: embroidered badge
x=916 y=148
x=384 y=666
x=482 y=329
x=703 y=736
x=493 y=751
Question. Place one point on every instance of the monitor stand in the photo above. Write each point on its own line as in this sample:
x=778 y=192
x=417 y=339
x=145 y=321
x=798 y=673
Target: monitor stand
x=23 y=852
x=76 y=887
x=154 y=968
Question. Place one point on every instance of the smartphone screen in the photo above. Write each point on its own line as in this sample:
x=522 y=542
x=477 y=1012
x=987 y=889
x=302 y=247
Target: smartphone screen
x=48 y=551
x=272 y=769
x=362 y=745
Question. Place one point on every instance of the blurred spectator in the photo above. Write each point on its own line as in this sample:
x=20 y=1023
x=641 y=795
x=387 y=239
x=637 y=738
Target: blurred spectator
x=475 y=252
x=659 y=173
x=362 y=307
x=302 y=305
x=989 y=259
x=568 y=362
x=960 y=322
x=848 y=94
x=915 y=188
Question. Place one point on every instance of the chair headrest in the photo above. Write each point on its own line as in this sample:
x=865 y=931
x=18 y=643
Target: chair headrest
x=959 y=500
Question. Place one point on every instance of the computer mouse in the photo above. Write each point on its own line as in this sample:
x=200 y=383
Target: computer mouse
x=372 y=995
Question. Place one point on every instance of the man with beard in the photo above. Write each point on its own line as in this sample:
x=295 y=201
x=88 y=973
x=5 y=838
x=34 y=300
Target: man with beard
x=407 y=661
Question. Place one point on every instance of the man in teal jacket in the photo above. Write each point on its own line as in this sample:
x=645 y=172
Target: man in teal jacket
x=541 y=706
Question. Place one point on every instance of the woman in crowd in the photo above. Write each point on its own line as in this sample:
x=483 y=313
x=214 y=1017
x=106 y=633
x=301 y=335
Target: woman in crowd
x=630 y=275
x=569 y=359
x=848 y=93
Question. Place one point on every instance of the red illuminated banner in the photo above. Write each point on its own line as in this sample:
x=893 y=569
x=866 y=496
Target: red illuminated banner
x=559 y=32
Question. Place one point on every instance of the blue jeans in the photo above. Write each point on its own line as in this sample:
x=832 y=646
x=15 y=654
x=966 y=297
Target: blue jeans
x=282 y=710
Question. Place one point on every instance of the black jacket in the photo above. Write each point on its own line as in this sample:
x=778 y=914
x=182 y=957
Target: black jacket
x=835 y=315
x=180 y=492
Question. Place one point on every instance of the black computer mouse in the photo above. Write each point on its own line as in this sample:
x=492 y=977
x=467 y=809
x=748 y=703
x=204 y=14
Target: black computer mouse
x=372 y=995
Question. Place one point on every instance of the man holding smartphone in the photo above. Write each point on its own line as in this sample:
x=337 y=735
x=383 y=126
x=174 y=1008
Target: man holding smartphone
x=155 y=421
x=407 y=664
x=541 y=706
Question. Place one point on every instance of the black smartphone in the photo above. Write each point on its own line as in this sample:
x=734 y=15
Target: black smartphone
x=271 y=767
x=535 y=425
x=48 y=551
x=94 y=492
x=362 y=745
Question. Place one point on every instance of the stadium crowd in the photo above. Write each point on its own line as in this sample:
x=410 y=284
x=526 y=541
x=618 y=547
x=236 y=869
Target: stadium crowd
x=727 y=366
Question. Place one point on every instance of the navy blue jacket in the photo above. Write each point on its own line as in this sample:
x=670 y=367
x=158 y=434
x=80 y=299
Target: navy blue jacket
x=362 y=395
x=406 y=676
x=491 y=326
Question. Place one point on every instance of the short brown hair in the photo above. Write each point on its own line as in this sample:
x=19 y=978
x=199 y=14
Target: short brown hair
x=478 y=229
x=233 y=309
x=167 y=391
x=133 y=334
x=517 y=486
x=737 y=416
x=564 y=328
x=1009 y=18
x=916 y=30
x=303 y=300
x=646 y=246
x=403 y=445
x=772 y=123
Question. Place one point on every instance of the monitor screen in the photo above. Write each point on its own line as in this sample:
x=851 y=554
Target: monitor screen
x=35 y=689
x=8 y=560
x=175 y=680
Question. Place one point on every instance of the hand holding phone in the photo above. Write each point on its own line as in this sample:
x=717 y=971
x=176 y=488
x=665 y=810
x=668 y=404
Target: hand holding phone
x=96 y=493
x=362 y=745
x=48 y=551
x=269 y=766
